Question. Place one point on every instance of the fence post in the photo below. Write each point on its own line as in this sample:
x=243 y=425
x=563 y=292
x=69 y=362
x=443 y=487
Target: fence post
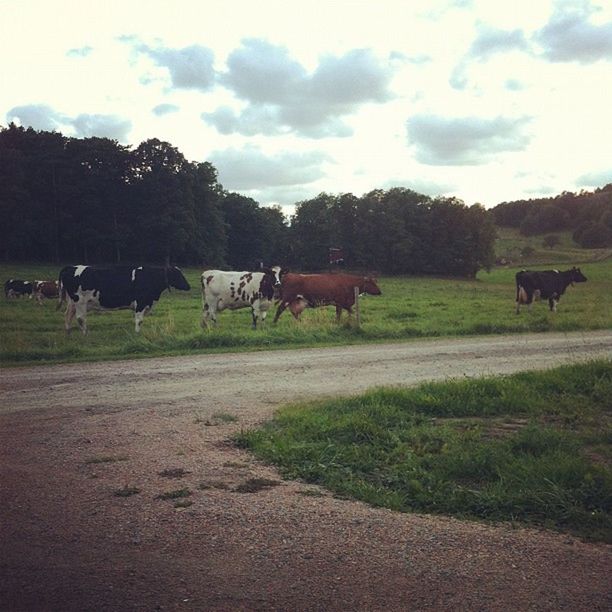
x=357 y=314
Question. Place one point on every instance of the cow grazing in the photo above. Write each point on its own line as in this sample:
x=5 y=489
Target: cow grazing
x=89 y=288
x=45 y=289
x=300 y=291
x=16 y=288
x=232 y=290
x=548 y=284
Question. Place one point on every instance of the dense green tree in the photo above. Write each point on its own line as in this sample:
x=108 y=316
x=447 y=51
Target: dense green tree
x=96 y=223
x=396 y=232
x=311 y=233
x=566 y=211
x=210 y=236
x=164 y=208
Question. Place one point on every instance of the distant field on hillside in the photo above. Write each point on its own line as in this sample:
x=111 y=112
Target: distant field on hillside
x=510 y=245
x=410 y=307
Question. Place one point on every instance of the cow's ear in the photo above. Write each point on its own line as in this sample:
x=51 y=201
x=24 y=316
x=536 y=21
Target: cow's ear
x=266 y=270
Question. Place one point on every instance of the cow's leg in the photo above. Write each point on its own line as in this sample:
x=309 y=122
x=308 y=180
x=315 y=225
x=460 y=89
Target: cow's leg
x=280 y=310
x=212 y=312
x=139 y=316
x=254 y=316
x=552 y=303
x=205 y=315
x=70 y=312
x=338 y=313
x=523 y=297
x=81 y=315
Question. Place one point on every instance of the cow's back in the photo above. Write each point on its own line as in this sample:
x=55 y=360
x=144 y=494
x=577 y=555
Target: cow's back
x=319 y=288
x=231 y=289
x=113 y=287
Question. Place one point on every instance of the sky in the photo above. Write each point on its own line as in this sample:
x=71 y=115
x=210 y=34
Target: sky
x=484 y=101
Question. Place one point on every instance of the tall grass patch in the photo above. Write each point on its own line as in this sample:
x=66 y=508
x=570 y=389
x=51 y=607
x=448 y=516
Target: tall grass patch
x=531 y=448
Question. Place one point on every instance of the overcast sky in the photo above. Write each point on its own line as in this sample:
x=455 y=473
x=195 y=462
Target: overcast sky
x=483 y=100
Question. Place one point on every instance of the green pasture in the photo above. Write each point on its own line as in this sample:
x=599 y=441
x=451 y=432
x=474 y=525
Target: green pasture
x=531 y=448
x=410 y=307
x=511 y=244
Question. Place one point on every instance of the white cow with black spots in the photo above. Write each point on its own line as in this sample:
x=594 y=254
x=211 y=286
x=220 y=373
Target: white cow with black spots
x=233 y=290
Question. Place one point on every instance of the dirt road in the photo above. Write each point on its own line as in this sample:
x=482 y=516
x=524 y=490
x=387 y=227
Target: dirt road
x=76 y=439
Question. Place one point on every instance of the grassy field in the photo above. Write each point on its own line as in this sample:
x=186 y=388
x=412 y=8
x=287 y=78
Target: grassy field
x=510 y=245
x=409 y=307
x=530 y=448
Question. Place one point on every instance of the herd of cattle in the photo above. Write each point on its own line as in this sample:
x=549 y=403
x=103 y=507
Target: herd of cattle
x=85 y=288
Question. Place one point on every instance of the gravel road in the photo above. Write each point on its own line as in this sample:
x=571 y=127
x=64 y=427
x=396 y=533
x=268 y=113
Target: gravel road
x=74 y=437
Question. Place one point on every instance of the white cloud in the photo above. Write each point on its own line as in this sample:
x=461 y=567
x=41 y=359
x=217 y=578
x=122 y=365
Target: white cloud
x=595 y=179
x=283 y=97
x=37 y=116
x=465 y=140
x=43 y=117
x=103 y=126
x=492 y=40
x=80 y=51
x=250 y=168
x=165 y=109
x=190 y=67
x=570 y=36
x=489 y=42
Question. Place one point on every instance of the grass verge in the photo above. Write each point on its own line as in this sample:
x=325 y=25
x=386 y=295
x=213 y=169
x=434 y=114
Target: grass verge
x=532 y=448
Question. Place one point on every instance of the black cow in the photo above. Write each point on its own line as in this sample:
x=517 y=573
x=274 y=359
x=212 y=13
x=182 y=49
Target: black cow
x=88 y=288
x=548 y=284
x=16 y=288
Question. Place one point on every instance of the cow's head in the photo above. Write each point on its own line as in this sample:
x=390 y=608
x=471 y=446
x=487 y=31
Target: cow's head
x=276 y=274
x=176 y=279
x=370 y=286
x=271 y=282
x=577 y=276
x=272 y=278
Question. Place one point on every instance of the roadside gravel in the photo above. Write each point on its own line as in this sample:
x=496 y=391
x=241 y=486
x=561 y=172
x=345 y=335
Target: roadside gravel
x=75 y=439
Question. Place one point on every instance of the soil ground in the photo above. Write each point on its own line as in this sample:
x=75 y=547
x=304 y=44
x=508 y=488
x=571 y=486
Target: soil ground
x=77 y=439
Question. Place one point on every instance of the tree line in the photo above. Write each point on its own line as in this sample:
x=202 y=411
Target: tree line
x=93 y=200
x=588 y=215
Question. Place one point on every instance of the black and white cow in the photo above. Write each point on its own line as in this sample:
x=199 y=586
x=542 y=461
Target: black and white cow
x=548 y=284
x=89 y=288
x=16 y=288
x=233 y=290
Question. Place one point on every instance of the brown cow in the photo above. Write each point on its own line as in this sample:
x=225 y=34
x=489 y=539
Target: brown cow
x=300 y=291
x=45 y=289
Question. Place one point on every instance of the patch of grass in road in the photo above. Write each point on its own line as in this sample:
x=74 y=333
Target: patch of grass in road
x=254 y=485
x=127 y=491
x=532 y=447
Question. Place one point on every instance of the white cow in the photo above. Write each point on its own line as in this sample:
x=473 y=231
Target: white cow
x=233 y=290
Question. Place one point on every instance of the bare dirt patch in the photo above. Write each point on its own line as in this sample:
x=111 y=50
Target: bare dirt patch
x=70 y=542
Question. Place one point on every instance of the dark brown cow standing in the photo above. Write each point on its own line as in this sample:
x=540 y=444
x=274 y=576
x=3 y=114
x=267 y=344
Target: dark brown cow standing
x=300 y=291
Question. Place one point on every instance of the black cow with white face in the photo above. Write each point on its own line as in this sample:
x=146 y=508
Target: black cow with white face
x=89 y=288
x=16 y=288
x=548 y=284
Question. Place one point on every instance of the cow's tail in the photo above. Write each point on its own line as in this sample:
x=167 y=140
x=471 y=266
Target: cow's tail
x=61 y=295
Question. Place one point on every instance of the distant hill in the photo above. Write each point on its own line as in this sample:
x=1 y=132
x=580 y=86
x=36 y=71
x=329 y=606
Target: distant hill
x=587 y=216
x=512 y=248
